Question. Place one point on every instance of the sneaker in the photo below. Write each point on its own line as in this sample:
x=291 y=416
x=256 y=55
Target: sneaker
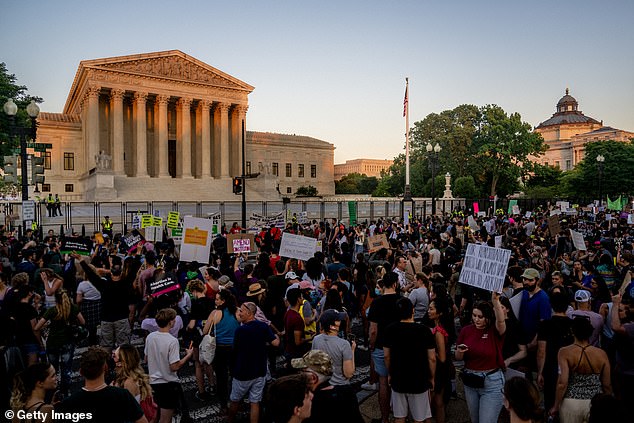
x=370 y=386
x=205 y=396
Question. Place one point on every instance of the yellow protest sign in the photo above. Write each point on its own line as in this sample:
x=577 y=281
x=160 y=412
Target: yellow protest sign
x=157 y=221
x=195 y=236
x=172 y=219
x=146 y=220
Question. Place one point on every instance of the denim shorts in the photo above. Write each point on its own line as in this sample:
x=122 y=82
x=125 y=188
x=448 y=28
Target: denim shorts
x=253 y=387
x=378 y=357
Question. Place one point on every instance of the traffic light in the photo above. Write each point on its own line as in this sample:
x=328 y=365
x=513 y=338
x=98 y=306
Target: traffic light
x=237 y=185
x=37 y=170
x=11 y=169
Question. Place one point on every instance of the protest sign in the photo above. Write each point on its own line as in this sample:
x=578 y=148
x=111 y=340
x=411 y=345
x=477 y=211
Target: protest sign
x=528 y=214
x=146 y=220
x=476 y=207
x=99 y=238
x=498 y=241
x=555 y=212
x=297 y=246
x=472 y=224
x=136 y=221
x=563 y=205
x=177 y=235
x=163 y=286
x=553 y=225
x=482 y=214
x=577 y=240
x=196 y=241
x=246 y=243
x=485 y=267
x=352 y=212
x=260 y=221
x=81 y=246
x=157 y=221
x=516 y=209
x=378 y=242
x=153 y=233
x=630 y=219
x=511 y=204
x=215 y=224
x=319 y=246
x=132 y=239
x=173 y=218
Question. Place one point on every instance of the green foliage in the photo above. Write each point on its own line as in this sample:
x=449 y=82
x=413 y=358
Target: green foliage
x=465 y=187
x=309 y=191
x=542 y=193
x=10 y=89
x=544 y=176
x=618 y=171
x=355 y=183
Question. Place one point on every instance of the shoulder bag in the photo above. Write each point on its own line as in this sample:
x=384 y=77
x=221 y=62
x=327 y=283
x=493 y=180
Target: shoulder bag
x=207 y=347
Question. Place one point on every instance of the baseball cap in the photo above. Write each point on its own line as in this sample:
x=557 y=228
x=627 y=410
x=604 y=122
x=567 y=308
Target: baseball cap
x=582 y=296
x=291 y=275
x=530 y=273
x=329 y=317
x=316 y=360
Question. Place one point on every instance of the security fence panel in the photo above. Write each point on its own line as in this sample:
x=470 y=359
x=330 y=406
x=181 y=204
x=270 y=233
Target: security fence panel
x=162 y=208
x=208 y=208
x=135 y=207
x=232 y=213
x=331 y=210
x=273 y=207
x=313 y=210
x=364 y=211
x=82 y=215
x=394 y=209
x=115 y=212
x=189 y=208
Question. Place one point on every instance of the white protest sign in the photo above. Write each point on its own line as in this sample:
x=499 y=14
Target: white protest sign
x=563 y=205
x=242 y=245
x=608 y=217
x=153 y=233
x=482 y=214
x=319 y=246
x=498 y=241
x=28 y=210
x=485 y=267
x=577 y=240
x=555 y=212
x=630 y=219
x=528 y=214
x=136 y=221
x=472 y=224
x=196 y=243
x=515 y=209
x=297 y=246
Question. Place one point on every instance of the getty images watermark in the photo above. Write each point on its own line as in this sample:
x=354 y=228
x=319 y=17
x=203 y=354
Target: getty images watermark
x=44 y=415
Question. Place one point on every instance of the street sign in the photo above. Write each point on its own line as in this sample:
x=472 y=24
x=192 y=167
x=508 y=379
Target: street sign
x=39 y=145
x=28 y=210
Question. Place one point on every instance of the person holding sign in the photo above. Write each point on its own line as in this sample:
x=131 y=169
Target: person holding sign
x=480 y=346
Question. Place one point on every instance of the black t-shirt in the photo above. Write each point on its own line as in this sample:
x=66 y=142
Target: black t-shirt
x=249 y=349
x=512 y=339
x=107 y=405
x=23 y=313
x=557 y=332
x=409 y=366
x=383 y=311
x=201 y=308
x=334 y=404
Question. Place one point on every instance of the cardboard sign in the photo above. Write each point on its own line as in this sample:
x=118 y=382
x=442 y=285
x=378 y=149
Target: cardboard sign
x=377 y=242
x=82 y=246
x=577 y=240
x=196 y=242
x=297 y=246
x=132 y=239
x=485 y=267
x=231 y=245
x=553 y=225
x=173 y=218
x=163 y=286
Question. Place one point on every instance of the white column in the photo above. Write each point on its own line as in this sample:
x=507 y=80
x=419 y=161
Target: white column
x=215 y=167
x=240 y=114
x=92 y=130
x=116 y=101
x=185 y=132
x=223 y=109
x=163 y=152
x=205 y=106
x=140 y=117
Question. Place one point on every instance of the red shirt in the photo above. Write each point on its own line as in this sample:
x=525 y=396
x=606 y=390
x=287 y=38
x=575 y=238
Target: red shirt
x=293 y=322
x=485 y=348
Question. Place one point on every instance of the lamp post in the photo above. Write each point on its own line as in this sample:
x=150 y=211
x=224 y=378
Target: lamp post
x=600 y=164
x=432 y=157
x=11 y=109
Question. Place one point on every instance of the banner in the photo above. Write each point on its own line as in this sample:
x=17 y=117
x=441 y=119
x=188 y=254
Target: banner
x=297 y=246
x=245 y=244
x=618 y=204
x=352 y=212
x=377 y=242
x=196 y=242
x=485 y=267
x=577 y=240
x=259 y=221
x=163 y=286
x=82 y=246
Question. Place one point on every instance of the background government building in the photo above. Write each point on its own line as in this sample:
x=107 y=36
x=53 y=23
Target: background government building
x=165 y=126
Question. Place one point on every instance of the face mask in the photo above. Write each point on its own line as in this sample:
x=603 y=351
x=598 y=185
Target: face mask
x=377 y=291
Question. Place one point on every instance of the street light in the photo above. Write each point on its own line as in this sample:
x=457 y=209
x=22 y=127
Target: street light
x=432 y=156
x=600 y=164
x=33 y=110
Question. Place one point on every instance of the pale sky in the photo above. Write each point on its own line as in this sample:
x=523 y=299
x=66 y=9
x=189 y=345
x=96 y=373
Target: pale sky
x=335 y=70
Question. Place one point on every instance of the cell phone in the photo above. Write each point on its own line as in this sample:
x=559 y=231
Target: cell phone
x=463 y=347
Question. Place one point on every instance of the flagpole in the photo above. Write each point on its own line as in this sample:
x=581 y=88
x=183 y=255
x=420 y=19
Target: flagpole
x=407 y=195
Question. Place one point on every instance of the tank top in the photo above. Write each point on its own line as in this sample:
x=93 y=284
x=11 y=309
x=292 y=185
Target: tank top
x=49 y=300
x=226 y=328
x=583 y=386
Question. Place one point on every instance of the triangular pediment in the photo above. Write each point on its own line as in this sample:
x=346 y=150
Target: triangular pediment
x=171 y=65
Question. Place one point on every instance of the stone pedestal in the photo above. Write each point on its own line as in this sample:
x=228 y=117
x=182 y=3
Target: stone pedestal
x=265 y=186
x=99 y=185
x=448 y=195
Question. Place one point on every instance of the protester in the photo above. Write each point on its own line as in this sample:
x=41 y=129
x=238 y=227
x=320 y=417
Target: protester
x=289 y=399
x=521 y=400
x=30 y=390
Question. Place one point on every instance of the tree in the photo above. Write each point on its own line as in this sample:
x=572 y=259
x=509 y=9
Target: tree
x=356 y=183
x=309 y=191
x=544 y=176
x=503 y=144
x=465 y=187
x=10 y=89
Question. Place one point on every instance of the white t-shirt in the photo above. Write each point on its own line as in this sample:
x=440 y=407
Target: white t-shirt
x=435 y=256
x=149 y=324
x=88 y=291
x=161 y=350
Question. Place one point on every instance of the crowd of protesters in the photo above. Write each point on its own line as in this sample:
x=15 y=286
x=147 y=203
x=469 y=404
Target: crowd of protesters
x=563 y=324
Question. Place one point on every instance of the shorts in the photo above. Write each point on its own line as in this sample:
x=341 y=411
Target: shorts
x=253 y=387
x=115 y=333
x=167 y=395
x=417 y=404
x=378 y=357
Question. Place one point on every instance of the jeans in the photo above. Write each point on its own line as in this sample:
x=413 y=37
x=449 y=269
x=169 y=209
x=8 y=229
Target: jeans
x=62 y=360
x=223 y=361
x=485 y=403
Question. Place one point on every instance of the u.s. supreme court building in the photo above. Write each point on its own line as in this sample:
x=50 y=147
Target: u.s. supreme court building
x=165 y=126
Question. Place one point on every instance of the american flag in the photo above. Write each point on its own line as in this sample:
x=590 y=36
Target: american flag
x=405 y=101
